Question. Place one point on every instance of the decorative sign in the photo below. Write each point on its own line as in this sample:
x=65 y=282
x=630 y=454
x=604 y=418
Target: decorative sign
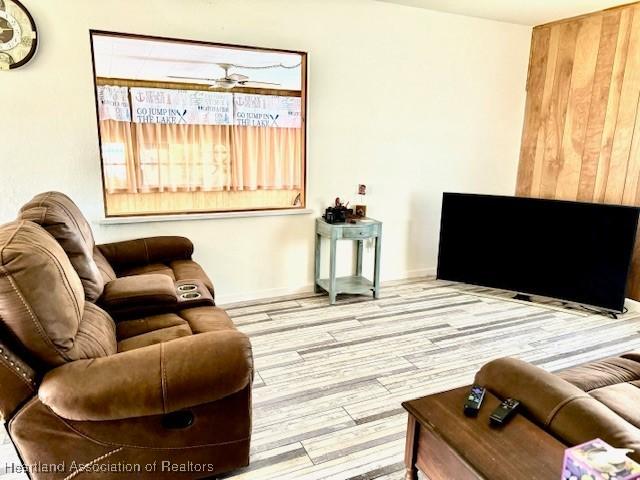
x=113 y=103
x=157 y=105
x=266 y=111
x=197 y=107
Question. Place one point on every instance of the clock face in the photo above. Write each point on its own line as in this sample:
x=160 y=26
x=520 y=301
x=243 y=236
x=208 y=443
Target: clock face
x=18 y=39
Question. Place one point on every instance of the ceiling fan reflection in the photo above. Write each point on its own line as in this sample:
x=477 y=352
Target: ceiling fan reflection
x=231 y=80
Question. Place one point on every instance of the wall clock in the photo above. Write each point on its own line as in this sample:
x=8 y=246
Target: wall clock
x=18 y=39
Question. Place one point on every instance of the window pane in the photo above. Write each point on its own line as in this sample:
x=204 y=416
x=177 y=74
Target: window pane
x=113 y=154
x=183 y=146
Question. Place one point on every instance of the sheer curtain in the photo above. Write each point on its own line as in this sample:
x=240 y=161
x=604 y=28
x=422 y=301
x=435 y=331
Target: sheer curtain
x=177 y=158
x=266 y=158
x=120 y=170
x=183 y=157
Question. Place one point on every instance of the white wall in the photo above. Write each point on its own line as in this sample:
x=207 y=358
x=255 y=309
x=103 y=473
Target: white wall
x=408 y=101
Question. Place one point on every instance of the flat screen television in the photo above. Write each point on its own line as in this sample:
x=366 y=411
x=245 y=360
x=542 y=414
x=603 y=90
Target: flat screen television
x=572 y=251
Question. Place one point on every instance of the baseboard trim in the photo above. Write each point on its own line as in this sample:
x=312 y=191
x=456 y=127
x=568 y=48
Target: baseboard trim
x=421 y=272
x=262 y=294
x=284 y=291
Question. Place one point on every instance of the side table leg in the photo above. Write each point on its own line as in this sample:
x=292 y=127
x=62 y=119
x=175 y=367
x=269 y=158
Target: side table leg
x=359 y=248
x=412 y=474
x=316 y=288
x=332 y=273
x=376 y=268
x=411 y=449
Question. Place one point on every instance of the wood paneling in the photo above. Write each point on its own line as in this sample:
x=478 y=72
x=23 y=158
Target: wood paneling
x=537 y=71
x=581 y=136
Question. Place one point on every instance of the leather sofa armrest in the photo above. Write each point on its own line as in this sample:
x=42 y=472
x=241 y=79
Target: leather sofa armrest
x=139 y=295
x=142 y=251
x=18 y=381
x=563 y=409
x=153 y=380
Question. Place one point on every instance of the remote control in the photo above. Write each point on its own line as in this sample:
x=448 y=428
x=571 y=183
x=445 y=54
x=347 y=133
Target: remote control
x=503 y=413
x=473 y=401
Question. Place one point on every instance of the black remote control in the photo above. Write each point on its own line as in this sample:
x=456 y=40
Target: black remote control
x=473 y=401
x=503 y=413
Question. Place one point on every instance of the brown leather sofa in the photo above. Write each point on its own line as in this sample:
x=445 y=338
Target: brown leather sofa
x=97 y=265
x=127 y=279
x=164 y=391
x=596 y=400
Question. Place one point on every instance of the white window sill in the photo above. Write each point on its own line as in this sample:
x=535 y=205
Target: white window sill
x=202 y=216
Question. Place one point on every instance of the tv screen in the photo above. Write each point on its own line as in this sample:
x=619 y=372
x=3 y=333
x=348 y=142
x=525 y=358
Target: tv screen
x=578 y=252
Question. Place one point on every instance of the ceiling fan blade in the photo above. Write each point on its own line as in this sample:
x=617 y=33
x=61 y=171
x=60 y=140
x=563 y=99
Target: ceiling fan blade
x=168 y=60
x=238 y=77
x=193 y=78
x=245 y=82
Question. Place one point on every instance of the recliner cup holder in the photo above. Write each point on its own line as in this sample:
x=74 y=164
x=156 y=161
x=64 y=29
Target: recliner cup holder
x=187 y=287
x=190 y=295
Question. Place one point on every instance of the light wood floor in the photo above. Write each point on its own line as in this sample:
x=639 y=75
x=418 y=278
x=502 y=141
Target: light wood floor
x=330 y=379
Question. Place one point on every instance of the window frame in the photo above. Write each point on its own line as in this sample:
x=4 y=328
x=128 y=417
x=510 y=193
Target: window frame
x=303 y=125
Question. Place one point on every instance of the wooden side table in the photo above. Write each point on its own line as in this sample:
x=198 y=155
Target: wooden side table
x=356 y=284
x=444 y=444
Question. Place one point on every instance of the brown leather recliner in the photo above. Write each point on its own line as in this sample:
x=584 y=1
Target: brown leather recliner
x=165 y=395
x=595 y=400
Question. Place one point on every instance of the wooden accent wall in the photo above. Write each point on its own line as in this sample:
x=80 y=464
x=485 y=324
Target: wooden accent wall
x=581 y=136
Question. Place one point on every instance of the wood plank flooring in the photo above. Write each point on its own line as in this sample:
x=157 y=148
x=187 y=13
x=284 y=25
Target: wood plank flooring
x=330 y=379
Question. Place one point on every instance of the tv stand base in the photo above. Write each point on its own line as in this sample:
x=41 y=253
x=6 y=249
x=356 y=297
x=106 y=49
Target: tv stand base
x=521 y=296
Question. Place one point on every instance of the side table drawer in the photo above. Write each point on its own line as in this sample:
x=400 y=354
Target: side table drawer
x=359 y=232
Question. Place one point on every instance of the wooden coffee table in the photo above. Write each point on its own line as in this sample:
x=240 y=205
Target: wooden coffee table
x=444 y=444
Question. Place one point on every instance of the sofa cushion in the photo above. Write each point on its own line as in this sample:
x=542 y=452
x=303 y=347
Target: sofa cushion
x=131 y=328
x=602 y=373
x=63 y=219
x=146 y=331
x=207 y=319
x=139 y=333
x=622 y=398
x=612 y=381
x=156 y=336
x=42 y=299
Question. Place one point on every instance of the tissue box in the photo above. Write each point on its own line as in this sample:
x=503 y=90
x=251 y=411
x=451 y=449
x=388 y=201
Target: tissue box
x=597 y=460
